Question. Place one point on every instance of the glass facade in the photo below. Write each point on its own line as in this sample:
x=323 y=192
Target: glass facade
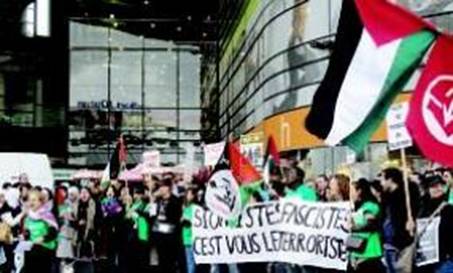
x=33 y=78
x=276 y=58
x=146 y=89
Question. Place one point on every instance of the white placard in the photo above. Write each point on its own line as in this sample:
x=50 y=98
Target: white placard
x=252 y=147
x=151 y=158
x=288 y=231
x=213 y=152
x=428 y=244
x=222 y=194
x=397 y=133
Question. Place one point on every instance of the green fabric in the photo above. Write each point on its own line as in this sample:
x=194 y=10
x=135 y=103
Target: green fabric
x=246 y=191
x=302 y=192
x=373 y=247
x=410 y=53
x=39 y=229
x=450 y=198
x=140 y=222
x=187 y=214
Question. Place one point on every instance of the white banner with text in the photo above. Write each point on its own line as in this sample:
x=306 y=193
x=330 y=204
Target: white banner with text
x=290 y=231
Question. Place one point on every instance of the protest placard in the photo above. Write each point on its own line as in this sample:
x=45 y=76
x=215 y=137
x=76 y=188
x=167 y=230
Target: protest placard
x=252 y=147
x=428 y=243
x=212 y=153
x=151 y=158
x=397 y=133
x=290 y=231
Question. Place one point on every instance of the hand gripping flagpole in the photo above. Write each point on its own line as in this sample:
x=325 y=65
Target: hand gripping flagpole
x=410 y=224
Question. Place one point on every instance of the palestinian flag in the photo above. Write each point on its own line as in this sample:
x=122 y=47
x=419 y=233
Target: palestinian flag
x=271 y=159
x=378 y=47
x=231 y=182
x=116 y=164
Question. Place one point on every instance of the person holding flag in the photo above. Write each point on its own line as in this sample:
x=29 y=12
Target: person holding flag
x=116 y=165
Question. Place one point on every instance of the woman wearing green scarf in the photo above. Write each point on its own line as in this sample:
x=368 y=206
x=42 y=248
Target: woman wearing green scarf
x=40 y=228
x=364 y=244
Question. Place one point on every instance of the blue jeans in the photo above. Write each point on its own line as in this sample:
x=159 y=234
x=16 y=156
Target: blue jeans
x=190 y=259
x=391 y=256
x=445 y=267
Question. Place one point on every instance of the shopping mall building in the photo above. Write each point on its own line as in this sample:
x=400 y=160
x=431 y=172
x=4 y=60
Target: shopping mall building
x=269 y=68
x=170 y=76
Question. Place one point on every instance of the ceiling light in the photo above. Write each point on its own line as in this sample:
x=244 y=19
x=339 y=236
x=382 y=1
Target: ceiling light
x=152 y=25
x=146 y=2
x=189 y=18
x=179 y=29
x=112 y=16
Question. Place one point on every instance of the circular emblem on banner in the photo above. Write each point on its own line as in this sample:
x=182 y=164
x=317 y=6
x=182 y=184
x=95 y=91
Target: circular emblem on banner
x=222 y=194
x=437 y=109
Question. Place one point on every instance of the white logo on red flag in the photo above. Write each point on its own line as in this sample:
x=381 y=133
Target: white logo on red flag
x=437 y=109
x=430 y=119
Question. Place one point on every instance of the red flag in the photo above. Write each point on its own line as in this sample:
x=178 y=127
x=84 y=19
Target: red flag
x=430 y=118
x=272 y=151
x=242 y=169
x=402 y=23
x=122 y=155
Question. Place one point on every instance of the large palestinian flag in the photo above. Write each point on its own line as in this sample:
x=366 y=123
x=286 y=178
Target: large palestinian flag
x=378 y=47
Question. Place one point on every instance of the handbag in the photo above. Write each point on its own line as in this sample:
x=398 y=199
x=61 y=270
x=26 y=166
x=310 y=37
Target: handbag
x=6 y=235
x=355 y=243
x=406 y=257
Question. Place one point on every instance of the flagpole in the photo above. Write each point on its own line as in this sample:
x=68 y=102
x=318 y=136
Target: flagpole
x=407 y=192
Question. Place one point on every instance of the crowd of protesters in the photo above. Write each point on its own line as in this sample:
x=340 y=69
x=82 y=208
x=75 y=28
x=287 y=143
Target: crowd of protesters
x=146 y=227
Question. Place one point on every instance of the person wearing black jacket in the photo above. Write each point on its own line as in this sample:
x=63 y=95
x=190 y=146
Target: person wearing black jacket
x=166 y=228
x=398 y=230
x=436 y=198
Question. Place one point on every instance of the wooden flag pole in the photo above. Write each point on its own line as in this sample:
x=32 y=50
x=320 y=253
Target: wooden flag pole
x=410 y=219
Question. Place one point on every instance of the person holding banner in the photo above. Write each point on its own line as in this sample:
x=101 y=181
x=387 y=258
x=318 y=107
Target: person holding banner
x=436 y=206
x=294 y=180
x=364 y=244
x=338 y=188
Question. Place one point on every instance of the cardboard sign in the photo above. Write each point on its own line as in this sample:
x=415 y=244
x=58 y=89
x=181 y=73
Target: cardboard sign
x=428 y=244
x=397 y=133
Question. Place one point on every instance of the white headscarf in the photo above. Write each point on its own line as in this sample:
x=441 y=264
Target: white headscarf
x=12 y=196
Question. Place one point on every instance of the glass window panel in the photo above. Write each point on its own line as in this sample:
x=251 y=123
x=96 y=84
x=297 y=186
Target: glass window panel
x=123 y=39
x=87 y=35
x=190 y=119
x=160 y=119
x=160 y=79
x=126 y=79
x=88 y=81
x=189 y=80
